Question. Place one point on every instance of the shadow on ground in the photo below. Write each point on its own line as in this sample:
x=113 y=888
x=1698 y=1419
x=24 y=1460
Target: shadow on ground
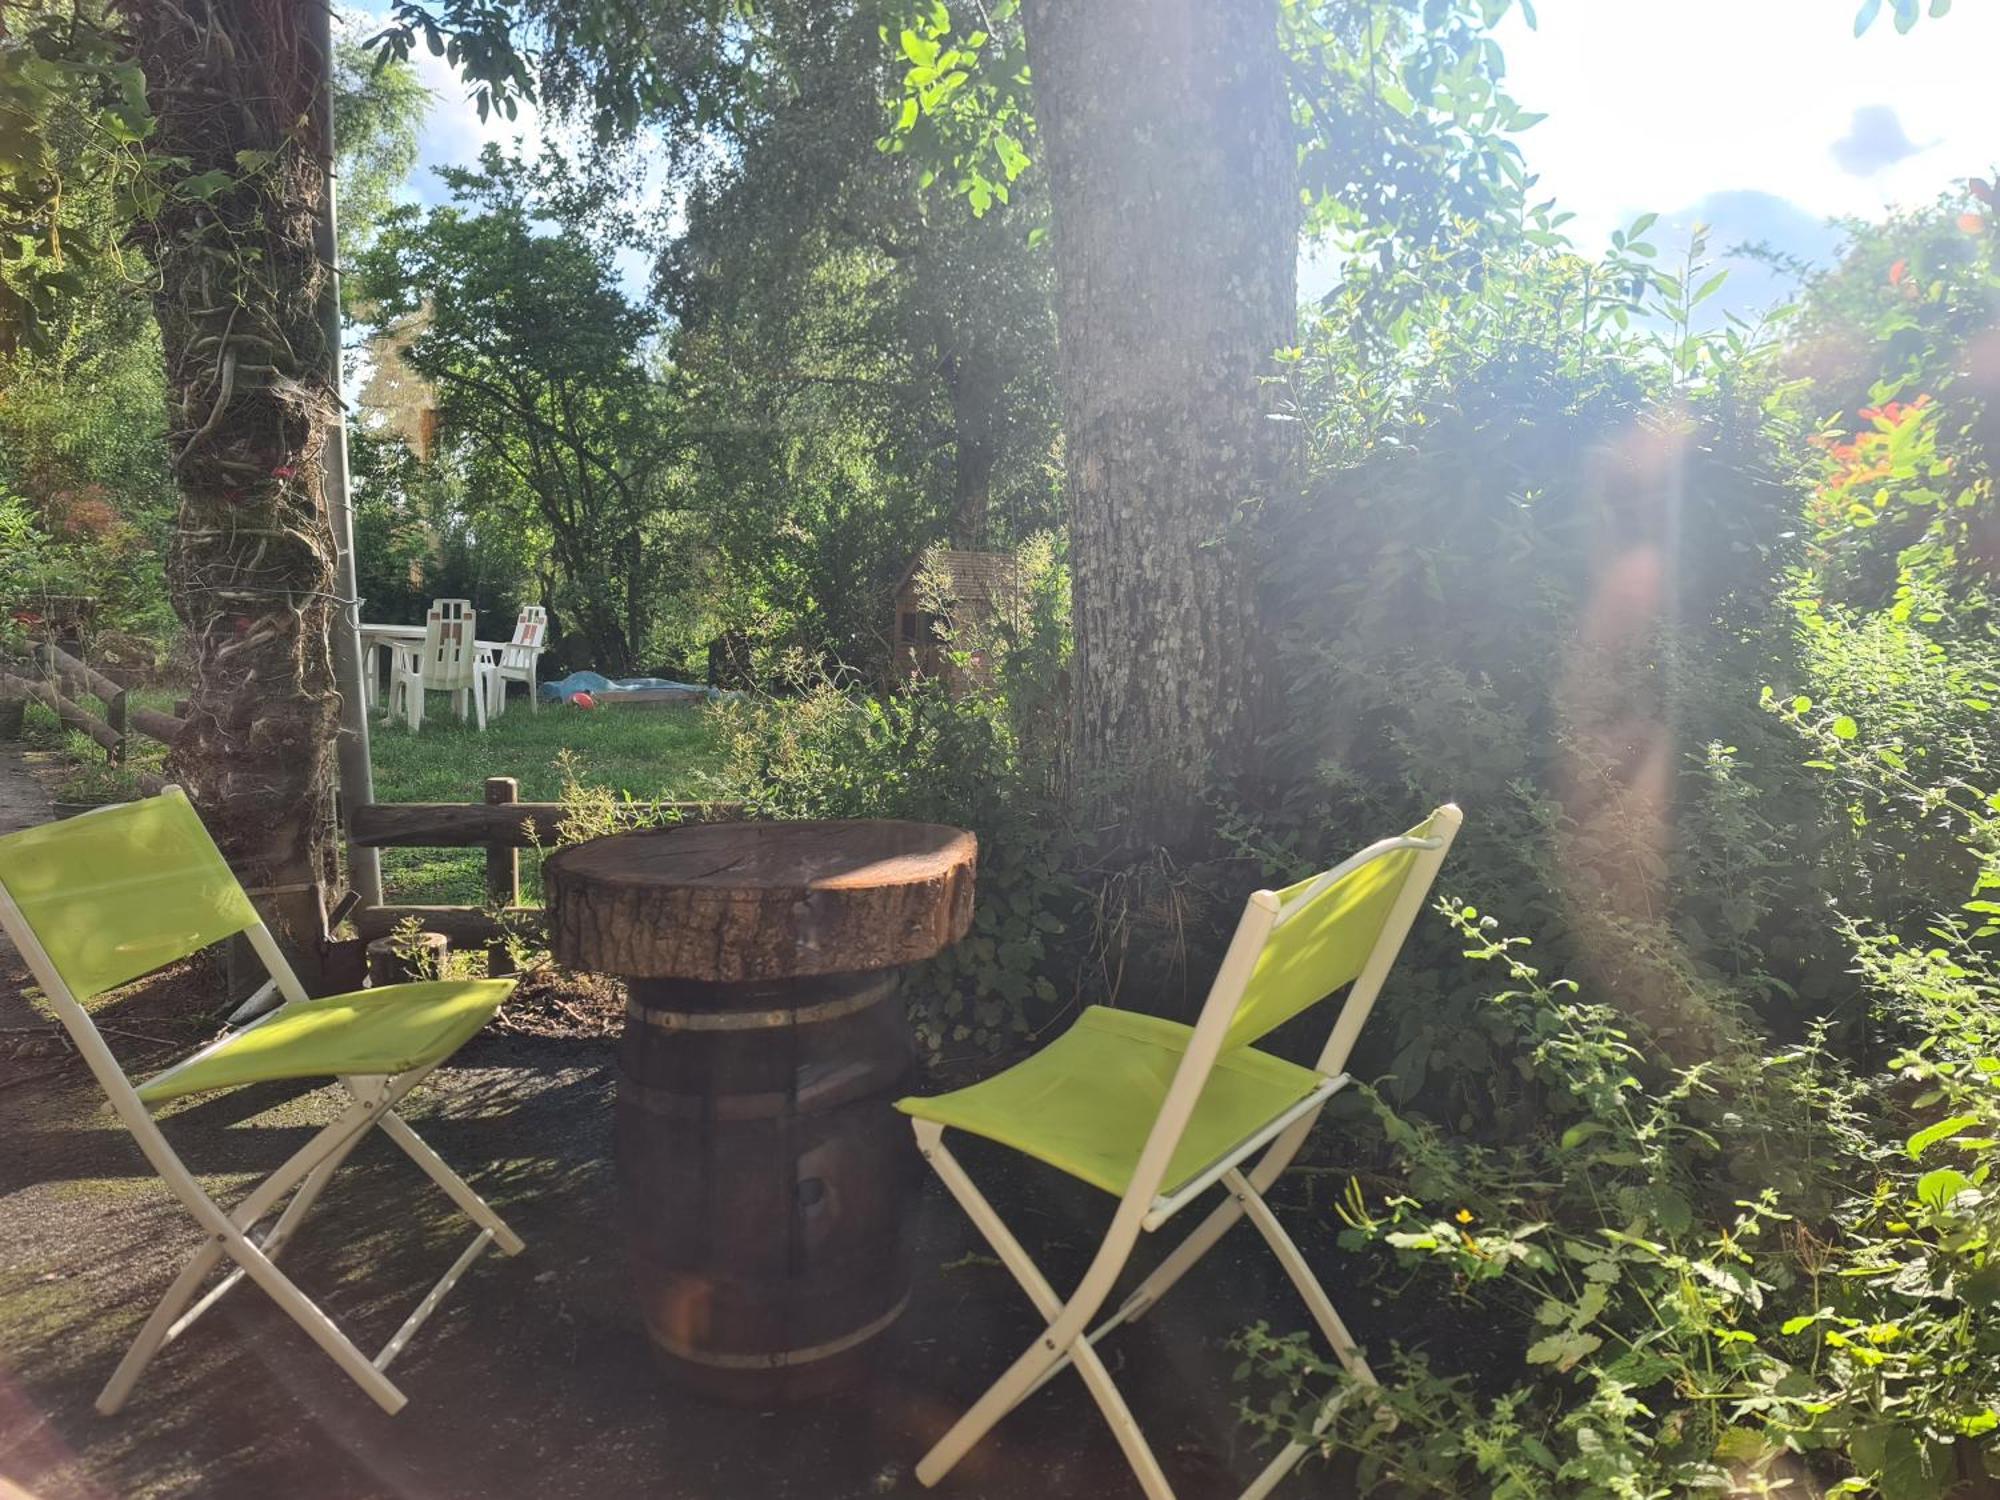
x=535 y=1378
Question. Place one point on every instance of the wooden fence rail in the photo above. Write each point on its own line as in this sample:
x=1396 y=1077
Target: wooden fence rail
x=502 y=825
x=122 y=718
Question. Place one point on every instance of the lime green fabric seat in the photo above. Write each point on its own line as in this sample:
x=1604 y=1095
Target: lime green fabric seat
x=374 y=1032
x=1086 y=1102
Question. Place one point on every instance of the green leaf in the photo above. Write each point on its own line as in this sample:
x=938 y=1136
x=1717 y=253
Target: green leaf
x=1936 y=1190
x=1910 y=1470
x=1564 y=1350
x=206 y=184
x=1845 y=728
x=1577 y=1134
x=1865 y=18
x=1943 y=1130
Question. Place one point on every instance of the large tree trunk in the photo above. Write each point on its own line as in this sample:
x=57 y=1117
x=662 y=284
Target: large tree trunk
x=233 y=86
x=1166 y=132
x=973 y=382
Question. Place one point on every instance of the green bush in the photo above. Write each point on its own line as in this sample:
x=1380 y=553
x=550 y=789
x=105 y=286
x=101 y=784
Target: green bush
x=976 y=756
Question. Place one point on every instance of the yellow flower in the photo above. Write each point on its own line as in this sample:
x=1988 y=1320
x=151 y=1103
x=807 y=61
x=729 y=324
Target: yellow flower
x=1464 y=1216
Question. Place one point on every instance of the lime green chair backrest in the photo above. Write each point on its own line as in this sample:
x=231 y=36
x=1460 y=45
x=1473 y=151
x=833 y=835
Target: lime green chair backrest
x=119 y=892
x=1322 y=946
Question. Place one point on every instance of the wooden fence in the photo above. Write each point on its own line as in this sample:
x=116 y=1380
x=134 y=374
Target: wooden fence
x=122 y=718
x=503 y=826
x=501 y=823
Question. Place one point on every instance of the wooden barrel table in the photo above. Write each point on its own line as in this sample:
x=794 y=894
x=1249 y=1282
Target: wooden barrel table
x=764 y=1181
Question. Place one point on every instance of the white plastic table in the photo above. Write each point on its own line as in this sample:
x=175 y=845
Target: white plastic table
x=375 y=637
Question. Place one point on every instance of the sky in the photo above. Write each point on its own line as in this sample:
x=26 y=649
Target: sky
x=1762 y=118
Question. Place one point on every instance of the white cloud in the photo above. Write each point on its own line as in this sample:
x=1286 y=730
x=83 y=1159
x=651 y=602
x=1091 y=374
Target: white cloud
x=1657 y=106
x=453 y=134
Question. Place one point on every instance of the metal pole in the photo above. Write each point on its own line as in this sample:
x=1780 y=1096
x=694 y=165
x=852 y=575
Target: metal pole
x=357 y=771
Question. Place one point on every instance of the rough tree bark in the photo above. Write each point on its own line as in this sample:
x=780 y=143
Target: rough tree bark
x=233 y=88
x=1166 y=133
x=972 y=380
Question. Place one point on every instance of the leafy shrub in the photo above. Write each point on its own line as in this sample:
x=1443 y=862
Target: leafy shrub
x=975 y=757
x=1705 y=1278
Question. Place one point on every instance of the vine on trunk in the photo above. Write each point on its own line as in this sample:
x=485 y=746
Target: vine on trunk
x=237 y=186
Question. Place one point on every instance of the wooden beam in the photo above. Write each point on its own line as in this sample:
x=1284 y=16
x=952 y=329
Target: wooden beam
x=77 y=718
x=503 y=872
x=460 y=825
x=155 y=725
x=81 y=677
x=466 y=926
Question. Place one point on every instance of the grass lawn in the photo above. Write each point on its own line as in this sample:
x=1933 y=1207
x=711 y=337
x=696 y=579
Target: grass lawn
x=651 y=752
x=666 y=752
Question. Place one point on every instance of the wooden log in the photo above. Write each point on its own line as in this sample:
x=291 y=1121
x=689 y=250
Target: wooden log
x=458 y=825
x=77 y=718
x=400 y=959
x=735 y=902
x=503 y=873
x=78 y=676
x=155 y=725
x=81 y=677
x=466 y=926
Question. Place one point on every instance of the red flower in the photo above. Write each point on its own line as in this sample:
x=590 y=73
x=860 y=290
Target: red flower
x=283 y=471
x=1898 y=271
x=1971 y=223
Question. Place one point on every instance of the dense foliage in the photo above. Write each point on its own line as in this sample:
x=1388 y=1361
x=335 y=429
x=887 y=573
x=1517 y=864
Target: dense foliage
x=1686 y=1099
x=1719 y=1203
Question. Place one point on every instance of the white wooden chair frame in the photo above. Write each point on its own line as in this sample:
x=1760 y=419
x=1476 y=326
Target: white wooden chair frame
x=1068 y=1339
x=308 y=1170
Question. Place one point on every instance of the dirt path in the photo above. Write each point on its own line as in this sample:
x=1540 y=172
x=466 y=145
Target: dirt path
x=23 y=801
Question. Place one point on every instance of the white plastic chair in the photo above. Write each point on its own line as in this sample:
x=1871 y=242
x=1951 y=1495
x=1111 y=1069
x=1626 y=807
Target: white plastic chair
x=446 y=662
x=515 y=661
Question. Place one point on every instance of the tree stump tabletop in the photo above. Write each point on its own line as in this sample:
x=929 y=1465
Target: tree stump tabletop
x=735 y=902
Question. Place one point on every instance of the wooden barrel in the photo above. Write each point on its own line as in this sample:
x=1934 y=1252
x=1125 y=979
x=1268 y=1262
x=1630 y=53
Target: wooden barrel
x=765 y=1180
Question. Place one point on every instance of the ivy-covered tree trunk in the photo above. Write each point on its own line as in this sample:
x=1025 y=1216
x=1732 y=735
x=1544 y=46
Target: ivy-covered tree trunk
x=1166 y=133
x=234 y=90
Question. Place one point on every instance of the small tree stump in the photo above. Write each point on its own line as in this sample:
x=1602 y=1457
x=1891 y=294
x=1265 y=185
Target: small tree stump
x=399 y=960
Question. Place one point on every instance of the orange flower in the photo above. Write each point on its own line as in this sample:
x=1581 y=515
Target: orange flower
x=1971 y=223
x=1898 y=271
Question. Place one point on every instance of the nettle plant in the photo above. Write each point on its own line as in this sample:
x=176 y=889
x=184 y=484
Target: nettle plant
x=1616 y=1315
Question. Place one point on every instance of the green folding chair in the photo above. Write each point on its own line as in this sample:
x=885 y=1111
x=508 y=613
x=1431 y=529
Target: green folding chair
x=1156 y=1113
x=98 y=900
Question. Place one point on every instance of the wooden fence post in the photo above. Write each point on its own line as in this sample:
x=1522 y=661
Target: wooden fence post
x=503 y=873
x=116 y=715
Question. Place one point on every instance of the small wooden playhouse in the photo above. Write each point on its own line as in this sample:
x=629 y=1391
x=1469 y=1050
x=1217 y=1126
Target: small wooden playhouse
x=948 y=601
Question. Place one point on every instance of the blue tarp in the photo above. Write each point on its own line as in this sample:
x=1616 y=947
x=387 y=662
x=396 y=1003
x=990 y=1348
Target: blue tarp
x=662 y=689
